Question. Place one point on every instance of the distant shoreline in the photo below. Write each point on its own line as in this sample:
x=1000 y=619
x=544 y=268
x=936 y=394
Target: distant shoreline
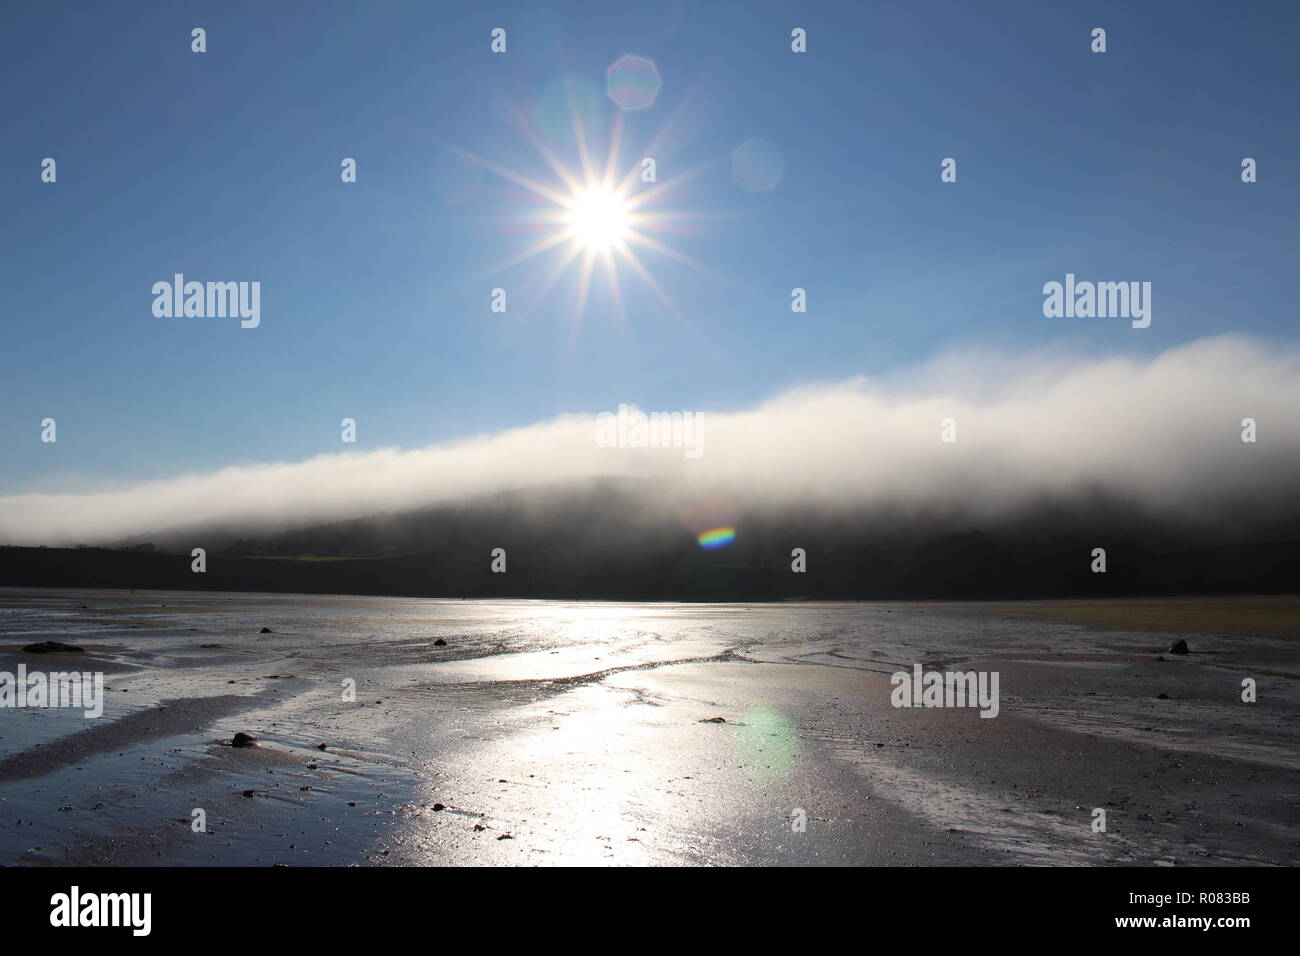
x=691 y=576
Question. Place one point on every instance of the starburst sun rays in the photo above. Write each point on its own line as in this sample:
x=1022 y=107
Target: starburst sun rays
x=597 y=222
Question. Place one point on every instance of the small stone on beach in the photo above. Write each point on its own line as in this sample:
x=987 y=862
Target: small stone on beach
x=52 y=647
x=243 y=740
x=1178 y=647
x=714 y=720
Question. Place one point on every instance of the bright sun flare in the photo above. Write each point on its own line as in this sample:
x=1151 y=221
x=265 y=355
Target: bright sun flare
x=599 y=221
x=598 y=218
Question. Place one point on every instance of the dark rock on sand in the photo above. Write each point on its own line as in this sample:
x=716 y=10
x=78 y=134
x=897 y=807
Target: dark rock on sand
x=1178 y=647
x=714 y=720
x=320 y=746
x=1162 y=696
x=266 y=630
x=53 y=647
x=439 y=806
x=440 y=643
x=244 y=740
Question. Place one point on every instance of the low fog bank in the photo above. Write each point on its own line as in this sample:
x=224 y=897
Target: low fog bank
x=1158 y=441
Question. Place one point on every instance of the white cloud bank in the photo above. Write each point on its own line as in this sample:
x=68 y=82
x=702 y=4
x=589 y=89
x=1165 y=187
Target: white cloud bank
x=1164 y=431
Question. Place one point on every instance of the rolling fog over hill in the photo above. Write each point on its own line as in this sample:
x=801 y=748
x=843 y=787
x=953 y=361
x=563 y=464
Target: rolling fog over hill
x=975 y=475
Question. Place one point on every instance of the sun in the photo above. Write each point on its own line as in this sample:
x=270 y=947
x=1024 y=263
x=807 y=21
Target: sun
x=599 y=222
x=598 y=218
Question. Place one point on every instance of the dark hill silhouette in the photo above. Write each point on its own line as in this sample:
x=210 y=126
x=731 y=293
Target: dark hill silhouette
x=606 y=542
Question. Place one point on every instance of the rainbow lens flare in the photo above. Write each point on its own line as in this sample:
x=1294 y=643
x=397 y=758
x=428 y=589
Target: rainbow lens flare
x=716 y=538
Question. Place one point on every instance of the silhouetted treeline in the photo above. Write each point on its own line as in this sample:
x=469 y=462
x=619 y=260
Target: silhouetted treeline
x=605 y=541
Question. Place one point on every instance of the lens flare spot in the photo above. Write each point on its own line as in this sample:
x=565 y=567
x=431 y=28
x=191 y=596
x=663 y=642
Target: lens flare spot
x=768 y=745
x=633 y=82
x=716 y=538
x=757 y=165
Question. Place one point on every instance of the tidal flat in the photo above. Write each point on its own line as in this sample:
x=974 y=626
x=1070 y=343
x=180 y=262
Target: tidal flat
x=404 y=731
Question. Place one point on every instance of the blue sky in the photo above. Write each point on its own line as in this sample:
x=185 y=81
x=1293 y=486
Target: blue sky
x=375 y=294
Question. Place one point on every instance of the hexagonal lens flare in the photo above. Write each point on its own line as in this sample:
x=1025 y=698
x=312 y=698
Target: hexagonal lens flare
x=633 y=82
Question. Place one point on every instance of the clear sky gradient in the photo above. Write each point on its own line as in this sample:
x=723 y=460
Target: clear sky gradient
x=375 y=294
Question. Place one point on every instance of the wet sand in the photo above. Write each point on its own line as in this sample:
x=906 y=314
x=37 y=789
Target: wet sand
x=573 y=733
